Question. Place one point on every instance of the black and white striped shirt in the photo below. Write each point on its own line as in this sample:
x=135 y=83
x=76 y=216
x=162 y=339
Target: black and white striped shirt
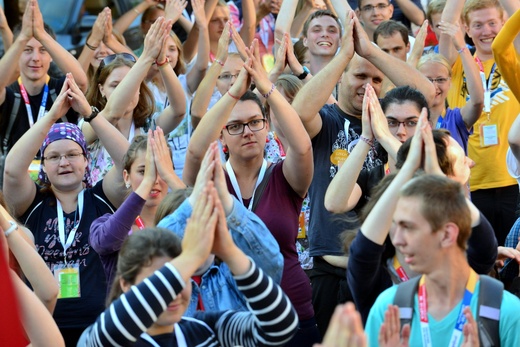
x=270 y=321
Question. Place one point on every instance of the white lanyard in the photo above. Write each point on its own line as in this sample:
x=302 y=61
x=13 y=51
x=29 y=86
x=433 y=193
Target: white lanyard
x=179 y=336
x=236 y=187
x=347 y=126
x=27 y=102
x=131 y=134
x=66 y=243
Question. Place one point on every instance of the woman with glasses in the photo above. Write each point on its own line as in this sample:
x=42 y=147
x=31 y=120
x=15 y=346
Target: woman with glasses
x=459 y=121
x=60 y=209
x=274 y=191
x=119 y=90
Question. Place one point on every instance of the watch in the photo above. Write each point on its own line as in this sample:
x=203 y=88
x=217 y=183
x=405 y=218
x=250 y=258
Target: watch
x=93 y=115
x=304 y=74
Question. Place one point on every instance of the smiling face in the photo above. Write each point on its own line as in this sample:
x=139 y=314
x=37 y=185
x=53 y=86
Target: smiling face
x=372 y=12
x=35 y=61
x=99 y=54
x=65 y=175
x=437 y=73
x=176 y=308
x=249 y=144
x=483 y=26
x=323 y=36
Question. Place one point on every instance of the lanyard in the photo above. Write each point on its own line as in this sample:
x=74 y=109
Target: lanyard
x=399 y=270
x=486 y=83
x=439 y=122
x=179 y=336
x=139 y=222
x=66 y=243
x=461 y=320
x=236 y=187
x=27 y=102
x=131 y=133
x=347 y=126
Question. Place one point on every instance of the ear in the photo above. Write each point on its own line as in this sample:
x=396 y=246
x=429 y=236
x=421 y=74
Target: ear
x=222 y=140
x=391 y=8
x=126 y=176
x=125 y=286
x=408 y=47
x=450 y=233
x=466 y=29
x=305 y=41
x=101 y=89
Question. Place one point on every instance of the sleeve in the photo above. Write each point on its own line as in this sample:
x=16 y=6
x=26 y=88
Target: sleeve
x=135 y=311
x=482 y=247
x=108 y=232
x=513 y=166
x=366 y=276
x=271 y=319
x=506 y=57
x=248 y=231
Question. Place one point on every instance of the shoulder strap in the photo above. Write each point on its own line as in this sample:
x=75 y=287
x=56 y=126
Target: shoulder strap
x=261 y=187
x=404 y=299
x=12 y=117
x=489 y=301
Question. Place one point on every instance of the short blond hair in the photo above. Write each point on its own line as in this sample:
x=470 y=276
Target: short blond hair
x=434 y=58
x=434 y=7
x=474 y=5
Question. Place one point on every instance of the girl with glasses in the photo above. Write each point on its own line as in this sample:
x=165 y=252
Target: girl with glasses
x=60 y=209
x=119 y=90
x=278 y=203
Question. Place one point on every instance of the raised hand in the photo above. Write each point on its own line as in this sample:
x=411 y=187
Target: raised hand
x=162 y=157
x=470 y=330
x=37 y=22
x=366 y=116
x=390 y=334
x=378 y=119
x=242 y=82
x=415 y=155
x=76 y=99
x=199 y=13
x=220 y=180
x=453 y=30
x=27 y=29
x=154 y=40
x=108 y=25
x=362 y=43
x=98 y=29
x=256 y=69
x=223 y=43
x=239 y=42
x=349 y=36
x=345 y=328
x=431 y=162
x=173 y=9
x=204 y=176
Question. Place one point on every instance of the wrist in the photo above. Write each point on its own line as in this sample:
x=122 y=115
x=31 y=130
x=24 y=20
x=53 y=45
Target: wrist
x=11 y=229
x=93 y=114
x=162 y=63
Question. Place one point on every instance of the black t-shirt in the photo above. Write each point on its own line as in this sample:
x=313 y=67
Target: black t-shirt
x=21 y=123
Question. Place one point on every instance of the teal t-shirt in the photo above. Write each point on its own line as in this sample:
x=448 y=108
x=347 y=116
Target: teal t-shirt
x=441 y=331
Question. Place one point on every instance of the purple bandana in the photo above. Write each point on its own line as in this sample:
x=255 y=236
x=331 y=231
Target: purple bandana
x=60 y=131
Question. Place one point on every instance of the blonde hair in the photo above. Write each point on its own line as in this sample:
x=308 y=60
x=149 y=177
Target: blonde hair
x=434 y=58
x=474 y=5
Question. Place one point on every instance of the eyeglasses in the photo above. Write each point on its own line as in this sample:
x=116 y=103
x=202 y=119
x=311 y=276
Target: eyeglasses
x=110 y=58
x=227 y=76
x=238 y=128
x=439 y=80
x=56 y=158
x=370 y=8
x=408 y=124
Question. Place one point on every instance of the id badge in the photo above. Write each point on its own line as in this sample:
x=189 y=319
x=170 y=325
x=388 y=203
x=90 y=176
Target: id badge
x=67 y=277
x=488 y=135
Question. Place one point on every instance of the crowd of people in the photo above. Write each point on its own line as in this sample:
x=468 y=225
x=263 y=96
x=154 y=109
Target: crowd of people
x=264 y=173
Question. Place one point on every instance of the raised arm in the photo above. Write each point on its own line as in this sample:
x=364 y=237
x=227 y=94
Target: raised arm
x=411 y=11
x=398 y=71
x=5 y=31
x=190 y=46
x=19 y=189
x=514 y=138
x=31 y=263
x=284 y=21
x=247 y=31
x=127 y=18
x=451 y=14
x=311 y=98
x=95 y=39
x=341 y=8
x=65 y=61
x=473 y=108
x=197 y=72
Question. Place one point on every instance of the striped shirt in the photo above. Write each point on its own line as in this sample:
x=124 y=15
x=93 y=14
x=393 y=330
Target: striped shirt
x=270 y=321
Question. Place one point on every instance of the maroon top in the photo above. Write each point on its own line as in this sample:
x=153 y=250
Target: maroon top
x=279 y=208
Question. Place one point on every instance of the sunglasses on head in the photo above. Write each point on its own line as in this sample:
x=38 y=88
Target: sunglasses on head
x=110 y=58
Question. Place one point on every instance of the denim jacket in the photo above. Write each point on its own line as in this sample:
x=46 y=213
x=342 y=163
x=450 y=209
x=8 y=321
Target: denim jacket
x=218 y=288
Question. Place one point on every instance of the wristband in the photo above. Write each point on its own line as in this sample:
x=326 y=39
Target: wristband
x=12 y=228
x=93 y=115
x=234 y=97
x=460 y=51
x=367 y=141
x=136 y=11
x=218 y=62
x=167 y=60
x=266 y=95
x=91 y=47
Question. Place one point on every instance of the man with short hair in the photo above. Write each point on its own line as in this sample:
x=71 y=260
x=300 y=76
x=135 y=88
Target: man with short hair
x=432 y=225
x=334 y=130
x=493 y=190
x=392 y=38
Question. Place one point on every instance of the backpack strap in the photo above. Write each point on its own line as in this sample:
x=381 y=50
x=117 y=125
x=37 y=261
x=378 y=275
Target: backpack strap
x=12 y=117
x=404 y=298
x=261 y=187
x=489 y=301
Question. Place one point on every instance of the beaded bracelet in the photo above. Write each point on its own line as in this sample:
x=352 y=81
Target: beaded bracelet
x=234 y=97
x=91 y=47
x=12 y=228
x=462 y=50
x=367 y=141
x=219 y=62
x=269 y=92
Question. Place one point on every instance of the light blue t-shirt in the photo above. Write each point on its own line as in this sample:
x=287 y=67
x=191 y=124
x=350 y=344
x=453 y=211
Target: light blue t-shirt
x=441 y=331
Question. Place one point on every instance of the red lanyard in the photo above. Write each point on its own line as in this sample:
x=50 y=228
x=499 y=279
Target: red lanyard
x=139 y=222
x=399 y=269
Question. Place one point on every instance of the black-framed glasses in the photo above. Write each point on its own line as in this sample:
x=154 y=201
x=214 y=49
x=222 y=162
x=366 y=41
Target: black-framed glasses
x=440 y=80
x=56 y=158
x=370 y=8
x=238 y=128
x=408 y=124
x=110 y=58
x=227 y=76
